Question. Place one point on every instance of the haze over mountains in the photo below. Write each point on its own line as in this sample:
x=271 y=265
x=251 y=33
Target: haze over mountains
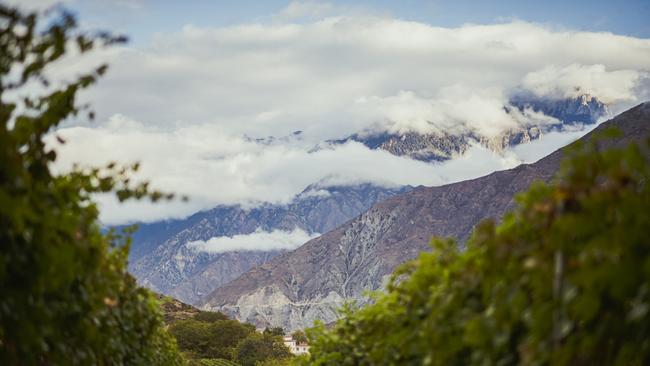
x=309 y=283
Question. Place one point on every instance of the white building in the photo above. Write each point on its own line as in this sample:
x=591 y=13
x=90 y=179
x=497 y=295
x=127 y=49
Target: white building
x=296 y=348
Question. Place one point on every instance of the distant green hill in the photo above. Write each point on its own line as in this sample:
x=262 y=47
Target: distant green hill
x=212 y=339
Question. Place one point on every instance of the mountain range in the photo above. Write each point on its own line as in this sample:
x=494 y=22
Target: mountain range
x=298 y=287
x=440 y=146
x=162 y=260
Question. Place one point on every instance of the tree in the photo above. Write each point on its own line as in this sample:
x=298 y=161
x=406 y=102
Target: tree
x=259 y=348
x=65 y=294
x=216 y=339
x=274 y=331
x=299 y=336
x=192 y=337
x=562 y=280
x=210 y=316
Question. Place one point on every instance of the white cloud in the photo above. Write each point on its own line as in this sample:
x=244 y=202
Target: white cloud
x=259 y=240
x=456 y=110
x=182 y=104
x=537 y=149
x=271 y=79
x=213 y=168
x=315 y=193
x=237 y=171
x=574 y=80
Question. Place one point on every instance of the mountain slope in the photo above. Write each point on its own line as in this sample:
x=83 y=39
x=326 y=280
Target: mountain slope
x=309 y=283
x=442 y=146
x=167 y=265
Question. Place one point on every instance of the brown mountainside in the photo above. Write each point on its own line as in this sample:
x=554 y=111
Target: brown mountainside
x=309 y=283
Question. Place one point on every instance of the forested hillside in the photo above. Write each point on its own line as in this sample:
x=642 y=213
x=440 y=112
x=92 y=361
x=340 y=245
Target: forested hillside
x=208 y=338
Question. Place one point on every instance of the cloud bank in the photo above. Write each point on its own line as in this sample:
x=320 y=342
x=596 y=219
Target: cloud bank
x=574 y=80
x=182 y=104
x=257 y=241
x=213 y=168
x=317 y=76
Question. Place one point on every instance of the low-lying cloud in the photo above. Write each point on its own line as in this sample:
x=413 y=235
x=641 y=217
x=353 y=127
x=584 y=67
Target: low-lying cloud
x=257 y=241
x=213 y=168
x=574 y=80
x=454 y=110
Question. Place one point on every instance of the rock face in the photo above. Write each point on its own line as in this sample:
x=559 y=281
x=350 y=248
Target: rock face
x=441 y=146
x=309 y=283
x=424 y=147
x=162 y=261
x=585 y=109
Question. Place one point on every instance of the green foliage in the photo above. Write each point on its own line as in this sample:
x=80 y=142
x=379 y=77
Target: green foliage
x=209 y=316
x=258 y=348
x=564 y=280
x=299 y=336
x=274 y=331
x=65 y=294
x=276 y=362
x=215 y=362
x=212 y=337
x=216 y=339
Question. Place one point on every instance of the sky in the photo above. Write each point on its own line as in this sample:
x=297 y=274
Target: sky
x=143 y=18
x=201 y=80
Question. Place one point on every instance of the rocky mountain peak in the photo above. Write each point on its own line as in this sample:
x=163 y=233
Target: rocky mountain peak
x=441 y=146
x=585 y=108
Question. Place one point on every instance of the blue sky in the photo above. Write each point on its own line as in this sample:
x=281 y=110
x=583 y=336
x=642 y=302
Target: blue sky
x=142 y=18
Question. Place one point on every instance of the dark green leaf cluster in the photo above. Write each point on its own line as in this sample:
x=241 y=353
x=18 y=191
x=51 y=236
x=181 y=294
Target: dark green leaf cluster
x=563 y=280
x=65 y=295
x=274 y=331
